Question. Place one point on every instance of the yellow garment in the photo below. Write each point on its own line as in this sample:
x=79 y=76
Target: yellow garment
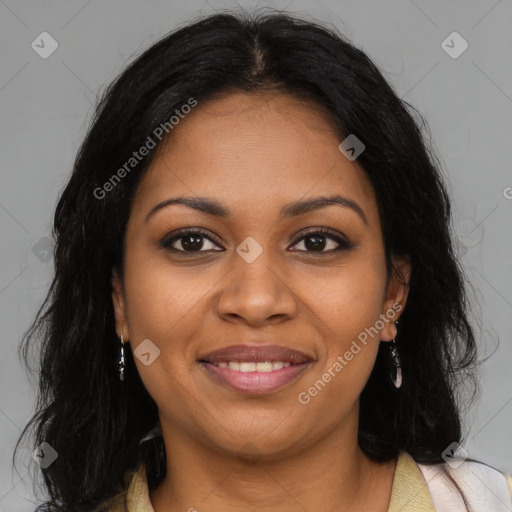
x=409 y=492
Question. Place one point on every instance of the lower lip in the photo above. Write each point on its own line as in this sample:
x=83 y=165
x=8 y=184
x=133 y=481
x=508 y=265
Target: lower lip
x=255 y=382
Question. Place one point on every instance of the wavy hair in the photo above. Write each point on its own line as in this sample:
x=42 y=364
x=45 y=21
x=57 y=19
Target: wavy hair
x=97 y=423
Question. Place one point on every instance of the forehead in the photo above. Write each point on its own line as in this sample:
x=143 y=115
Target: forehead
x=250 y=150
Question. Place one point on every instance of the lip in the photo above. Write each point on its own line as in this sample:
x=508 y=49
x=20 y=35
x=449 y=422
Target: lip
x=257 y=353
x=255 y=382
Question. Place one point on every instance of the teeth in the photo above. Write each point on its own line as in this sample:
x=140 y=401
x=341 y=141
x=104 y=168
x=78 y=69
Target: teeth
x=254 y=366
x=264 y=367
x=247 y=367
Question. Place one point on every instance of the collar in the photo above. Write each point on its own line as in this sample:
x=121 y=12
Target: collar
x=410 y=490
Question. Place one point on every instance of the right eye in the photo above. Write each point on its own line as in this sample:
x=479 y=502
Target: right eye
x=190 y=240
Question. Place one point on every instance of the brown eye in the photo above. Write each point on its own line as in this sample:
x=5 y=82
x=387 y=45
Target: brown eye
x=189 y=241
x=319 y=240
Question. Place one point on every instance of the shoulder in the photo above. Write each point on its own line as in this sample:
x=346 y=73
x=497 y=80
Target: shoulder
x=138 y=499
x=458 y=483
x=134 y=497
x=509 y=483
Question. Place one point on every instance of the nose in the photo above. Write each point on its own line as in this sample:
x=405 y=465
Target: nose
x=257 y=292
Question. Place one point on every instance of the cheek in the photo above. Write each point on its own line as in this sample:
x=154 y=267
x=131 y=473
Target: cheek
x=165 y=306
x=162 y=297
x=347 y=298
x=349 y=302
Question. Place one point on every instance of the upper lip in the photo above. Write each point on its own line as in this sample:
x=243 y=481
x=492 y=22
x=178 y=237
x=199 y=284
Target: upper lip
x=256 y=353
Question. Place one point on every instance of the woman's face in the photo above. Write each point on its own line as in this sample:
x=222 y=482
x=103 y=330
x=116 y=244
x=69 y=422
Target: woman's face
x=259 y=275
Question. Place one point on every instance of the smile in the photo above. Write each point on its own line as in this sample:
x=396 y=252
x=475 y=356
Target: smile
x=255 y=369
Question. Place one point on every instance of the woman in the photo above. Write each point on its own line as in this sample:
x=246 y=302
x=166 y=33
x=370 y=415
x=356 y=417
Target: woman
x=257 y=305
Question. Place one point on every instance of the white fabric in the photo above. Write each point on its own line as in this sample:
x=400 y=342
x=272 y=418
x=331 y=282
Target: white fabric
x=484 y=488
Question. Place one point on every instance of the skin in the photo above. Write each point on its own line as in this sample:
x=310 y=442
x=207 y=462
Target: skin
x=255 y=153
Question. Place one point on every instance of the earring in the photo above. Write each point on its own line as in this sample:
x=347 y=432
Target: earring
x=396 y=371
x=120 y=363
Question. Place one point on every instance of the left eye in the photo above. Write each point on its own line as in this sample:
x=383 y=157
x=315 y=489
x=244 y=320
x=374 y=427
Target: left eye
x=317 y=242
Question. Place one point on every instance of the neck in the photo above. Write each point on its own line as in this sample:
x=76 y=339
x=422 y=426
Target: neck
x=333 y=471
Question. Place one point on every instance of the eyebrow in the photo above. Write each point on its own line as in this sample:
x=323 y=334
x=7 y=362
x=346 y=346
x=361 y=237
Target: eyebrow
x=215 y=209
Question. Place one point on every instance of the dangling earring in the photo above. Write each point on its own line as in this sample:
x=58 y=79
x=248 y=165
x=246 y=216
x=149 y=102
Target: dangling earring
x=396 y=371
x=120 y=363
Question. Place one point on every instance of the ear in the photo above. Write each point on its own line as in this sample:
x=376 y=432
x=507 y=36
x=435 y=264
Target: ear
x=119 y=303
x=396 y=295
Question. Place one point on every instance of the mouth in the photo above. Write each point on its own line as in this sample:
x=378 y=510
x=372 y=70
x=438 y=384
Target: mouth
x=255 y=369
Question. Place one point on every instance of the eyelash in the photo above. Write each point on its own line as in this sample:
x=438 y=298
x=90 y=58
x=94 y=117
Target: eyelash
x=343 y=244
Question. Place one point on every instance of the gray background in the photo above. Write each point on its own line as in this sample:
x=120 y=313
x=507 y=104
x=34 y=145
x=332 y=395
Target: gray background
x=46 y=105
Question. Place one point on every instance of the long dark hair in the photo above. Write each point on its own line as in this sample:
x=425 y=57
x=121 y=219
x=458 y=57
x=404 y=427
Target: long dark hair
x=94 y=421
